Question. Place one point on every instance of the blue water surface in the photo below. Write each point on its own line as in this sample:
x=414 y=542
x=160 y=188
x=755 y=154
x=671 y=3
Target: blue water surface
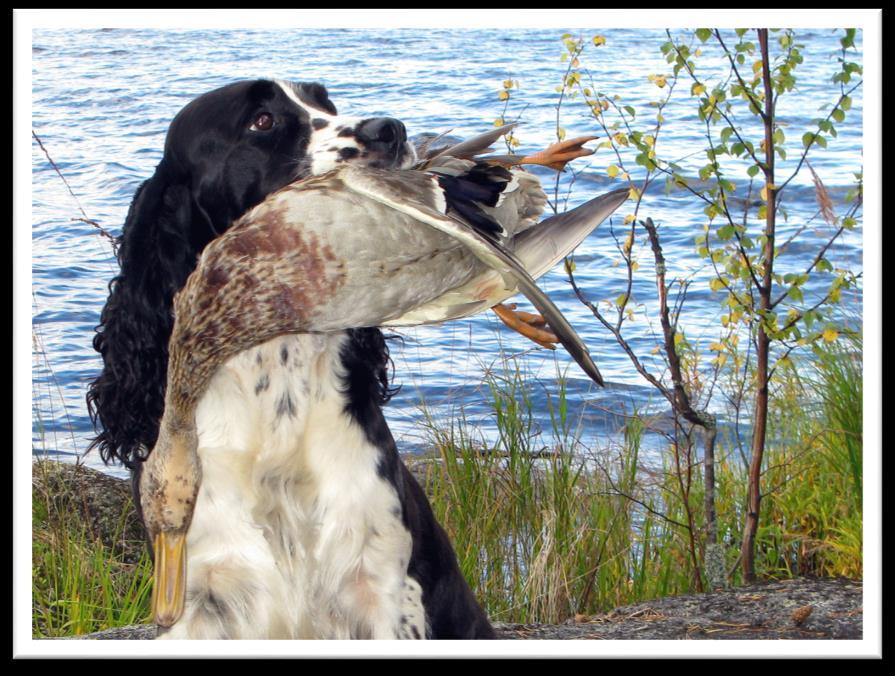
x=102 y=101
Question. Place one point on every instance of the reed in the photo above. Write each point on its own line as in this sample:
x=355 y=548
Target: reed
x=79 y=583
x=546 y=529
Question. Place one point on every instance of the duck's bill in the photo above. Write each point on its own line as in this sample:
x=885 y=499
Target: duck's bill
x=169 y=578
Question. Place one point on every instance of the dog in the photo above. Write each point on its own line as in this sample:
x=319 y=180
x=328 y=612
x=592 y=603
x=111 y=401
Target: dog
x=307 y=523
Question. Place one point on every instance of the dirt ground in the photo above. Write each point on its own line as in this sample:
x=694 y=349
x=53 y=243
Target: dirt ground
x=790 y=609
x=818 y=609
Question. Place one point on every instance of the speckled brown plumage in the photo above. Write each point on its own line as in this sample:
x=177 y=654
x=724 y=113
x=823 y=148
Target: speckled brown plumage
x=263 y=278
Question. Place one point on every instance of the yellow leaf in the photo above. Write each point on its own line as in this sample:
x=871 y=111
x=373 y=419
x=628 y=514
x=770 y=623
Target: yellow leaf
x=599 y=40
x=507 y=84
x=633 y=194
x=504 y=95
x=697 y=89
x=612 y=171
x=830 y=335
x=629 y=219
x=716 y=347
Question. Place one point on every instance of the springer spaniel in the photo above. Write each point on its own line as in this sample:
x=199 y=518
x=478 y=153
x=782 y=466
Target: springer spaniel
x=307 y=523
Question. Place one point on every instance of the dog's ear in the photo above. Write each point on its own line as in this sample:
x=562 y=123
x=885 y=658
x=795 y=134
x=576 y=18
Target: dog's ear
x=157 y=251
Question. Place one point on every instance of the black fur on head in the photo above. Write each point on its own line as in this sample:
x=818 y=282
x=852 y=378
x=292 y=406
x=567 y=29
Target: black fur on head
x=224 y=153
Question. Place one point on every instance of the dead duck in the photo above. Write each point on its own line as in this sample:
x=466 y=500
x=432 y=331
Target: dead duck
x=352 y=248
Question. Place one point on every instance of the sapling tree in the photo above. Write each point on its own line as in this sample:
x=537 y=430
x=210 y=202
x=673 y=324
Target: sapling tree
x=731 y=87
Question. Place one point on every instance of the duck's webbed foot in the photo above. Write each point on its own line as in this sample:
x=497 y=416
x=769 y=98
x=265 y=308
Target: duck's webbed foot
x=559 y=154
x=532 y=326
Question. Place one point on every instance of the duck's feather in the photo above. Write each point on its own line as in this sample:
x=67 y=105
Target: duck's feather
x=538 y=248
x=389 y=189
x=473 y=146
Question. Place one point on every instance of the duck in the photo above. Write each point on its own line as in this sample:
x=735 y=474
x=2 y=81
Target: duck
x=454 y=235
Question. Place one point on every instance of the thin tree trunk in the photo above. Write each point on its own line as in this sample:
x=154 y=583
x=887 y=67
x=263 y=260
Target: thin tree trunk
x=753 y=500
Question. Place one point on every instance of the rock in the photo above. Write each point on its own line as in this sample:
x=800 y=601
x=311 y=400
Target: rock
x=100 y=502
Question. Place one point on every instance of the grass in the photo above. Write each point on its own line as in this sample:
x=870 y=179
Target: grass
x=543 y=535
x=545 y=529
x=79 y=582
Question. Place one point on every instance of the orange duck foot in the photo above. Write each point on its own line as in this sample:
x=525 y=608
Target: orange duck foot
x=559 y=154
x=529 y=325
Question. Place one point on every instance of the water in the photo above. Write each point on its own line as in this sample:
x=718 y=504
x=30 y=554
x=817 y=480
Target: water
x=102 y=100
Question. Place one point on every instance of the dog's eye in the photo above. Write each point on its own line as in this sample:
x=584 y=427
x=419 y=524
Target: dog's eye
x=263 y=122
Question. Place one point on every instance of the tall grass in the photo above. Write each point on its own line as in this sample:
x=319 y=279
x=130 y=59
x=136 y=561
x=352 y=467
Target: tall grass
x=545 y=529
x=79 y=582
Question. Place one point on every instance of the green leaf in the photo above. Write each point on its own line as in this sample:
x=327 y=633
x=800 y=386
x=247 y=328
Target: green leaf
x=703 y=34
x=845 y=103
x=753 y=170
x=808 y=138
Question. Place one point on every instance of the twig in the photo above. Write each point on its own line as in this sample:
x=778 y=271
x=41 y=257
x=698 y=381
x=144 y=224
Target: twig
x=84 y=218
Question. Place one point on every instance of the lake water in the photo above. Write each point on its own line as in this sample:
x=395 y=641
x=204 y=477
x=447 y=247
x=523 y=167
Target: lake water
x=102 y=101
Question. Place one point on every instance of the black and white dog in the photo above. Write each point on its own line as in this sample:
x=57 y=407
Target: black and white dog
x=307 y=523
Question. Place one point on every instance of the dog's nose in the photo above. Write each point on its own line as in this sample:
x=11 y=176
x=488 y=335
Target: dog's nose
x=386 y=130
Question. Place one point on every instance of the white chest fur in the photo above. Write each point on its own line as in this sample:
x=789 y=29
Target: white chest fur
x=295 y=533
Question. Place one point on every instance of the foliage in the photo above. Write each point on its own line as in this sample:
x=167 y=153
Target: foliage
x=773 y=300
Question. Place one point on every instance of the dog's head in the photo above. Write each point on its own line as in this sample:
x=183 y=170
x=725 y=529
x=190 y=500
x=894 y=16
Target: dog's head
x=224 y=153
x=237 y=144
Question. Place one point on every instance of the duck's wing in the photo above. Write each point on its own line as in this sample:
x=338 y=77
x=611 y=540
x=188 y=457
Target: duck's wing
x=539 y=248
x=417 y=195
